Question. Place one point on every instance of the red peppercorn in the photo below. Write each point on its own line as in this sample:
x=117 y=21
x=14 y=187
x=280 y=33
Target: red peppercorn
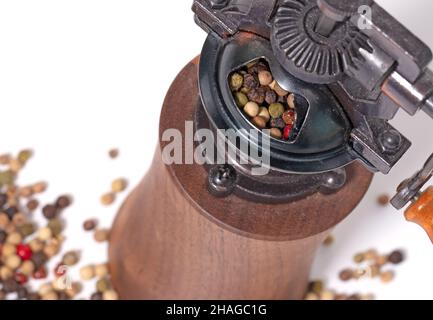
x=287 y=131
x=24 y=252
x=21 y=278
x=41 y=273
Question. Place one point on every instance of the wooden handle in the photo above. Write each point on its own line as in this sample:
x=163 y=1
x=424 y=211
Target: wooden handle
x=421 y=212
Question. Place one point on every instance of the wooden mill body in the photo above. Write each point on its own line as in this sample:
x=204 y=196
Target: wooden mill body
x=173 y=240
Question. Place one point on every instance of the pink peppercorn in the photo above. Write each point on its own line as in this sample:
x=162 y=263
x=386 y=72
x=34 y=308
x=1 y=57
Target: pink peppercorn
x=21 y=278
x=24 y=252
x=287 y=131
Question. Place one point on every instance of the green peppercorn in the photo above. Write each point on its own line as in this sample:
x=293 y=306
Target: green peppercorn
x=7 y=178
x=241 y=99
x=27 y=229
x=24 y=156
x=56 y=226
x=103 y=285
x=276 y=110
x=71 y=258
x=236 y=81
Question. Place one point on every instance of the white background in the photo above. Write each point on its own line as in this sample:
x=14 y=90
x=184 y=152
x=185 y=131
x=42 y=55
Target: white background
x=79 y=77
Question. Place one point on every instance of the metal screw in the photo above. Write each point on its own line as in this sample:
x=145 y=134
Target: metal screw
x=222 y=180
x=390 y=140
x=218 y=4
x=333 y=181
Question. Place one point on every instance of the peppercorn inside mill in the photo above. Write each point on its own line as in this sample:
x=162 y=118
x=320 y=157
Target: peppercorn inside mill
x=263 y=101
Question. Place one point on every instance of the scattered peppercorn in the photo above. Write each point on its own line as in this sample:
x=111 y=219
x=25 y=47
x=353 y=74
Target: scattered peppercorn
x=39 y=259
x=110 y=295
x=63 y=202
x=10 y=286
x=359 y=257
x=3 y=199
x=103 y=285
x=3 y=236
x=329 y=241
x=24 y=156
x=96 y=296
x=90 y=224
x=101 y=235
x=396 y=257
x=71 y=258
x=56 y=226
x=24 y=252
x=39 y=187
x=87 y=273
x=32 y=205
x=119 y=185
x=387 y=276
x=113 y=153
x=383 y=200
x=49 y=211
x=346 y=275
x=317 y=291
x=108 y=199
x=22 y=293
x=102 y=270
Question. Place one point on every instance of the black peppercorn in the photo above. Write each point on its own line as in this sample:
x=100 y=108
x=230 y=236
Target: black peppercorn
x=278 y=123
x=39 y=259
x=257 y=95
x=270 y=97
x=396 y=257
x=62 y=295
x=49 y=211
x=3 y=200
x=90 y=224
x=10 y=286
x=96 y=296
x=346 y=275
x=250 y=82
x=63 y=202
x=32 y=296
x=22 y=292
x=3 y=236
x=11 y=211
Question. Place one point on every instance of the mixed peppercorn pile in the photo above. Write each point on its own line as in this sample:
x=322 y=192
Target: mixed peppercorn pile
x=26 y=249
x=263 y=101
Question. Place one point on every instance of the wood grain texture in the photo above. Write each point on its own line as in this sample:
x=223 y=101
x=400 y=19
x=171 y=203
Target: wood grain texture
x=172 y=240
x=421 y=212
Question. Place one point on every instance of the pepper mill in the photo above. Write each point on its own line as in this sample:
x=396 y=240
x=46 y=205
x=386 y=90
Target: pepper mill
x=222 y=231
